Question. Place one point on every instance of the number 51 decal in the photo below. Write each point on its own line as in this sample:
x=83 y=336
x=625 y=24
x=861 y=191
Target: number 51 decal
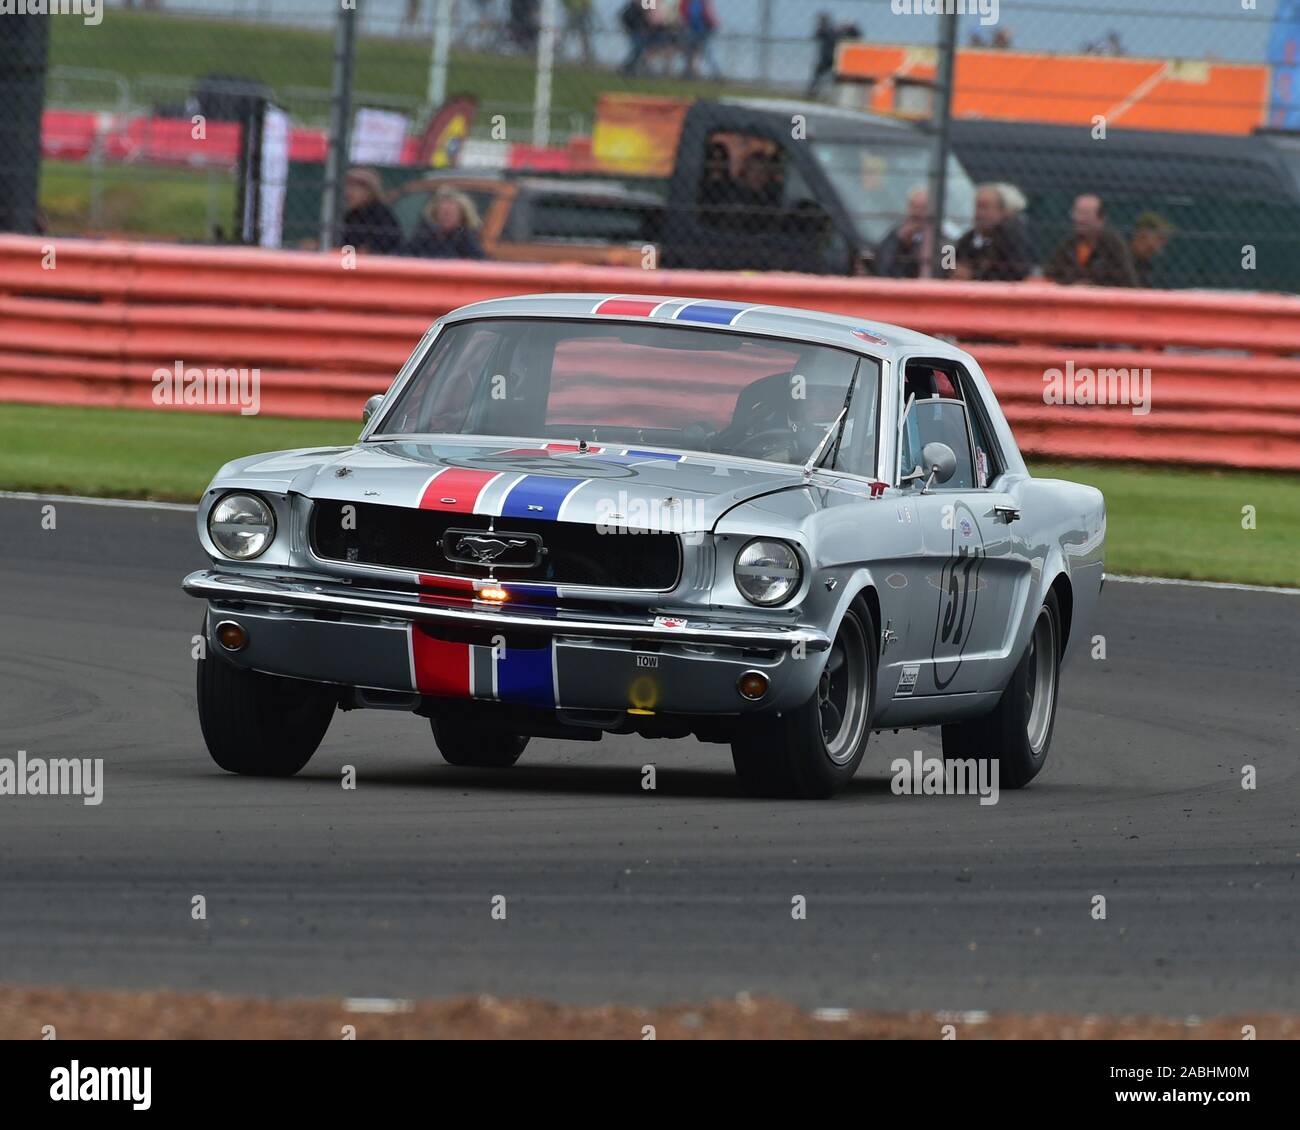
x=959 y=591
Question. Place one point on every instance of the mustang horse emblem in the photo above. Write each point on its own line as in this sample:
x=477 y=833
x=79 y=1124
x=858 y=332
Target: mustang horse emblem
x=487 y=549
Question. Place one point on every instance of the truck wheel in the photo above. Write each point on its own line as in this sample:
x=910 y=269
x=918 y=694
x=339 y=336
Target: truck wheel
x=476 y=746
x=260 y=725
x=814 y=751
x=1018 y=732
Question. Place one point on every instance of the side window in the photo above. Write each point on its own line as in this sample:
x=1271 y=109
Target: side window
x=743 y=183
x=944 y=421
x=938 y=415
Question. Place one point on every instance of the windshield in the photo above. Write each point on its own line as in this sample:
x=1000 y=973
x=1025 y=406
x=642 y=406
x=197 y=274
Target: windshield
x=874 y=179
x=643 y=384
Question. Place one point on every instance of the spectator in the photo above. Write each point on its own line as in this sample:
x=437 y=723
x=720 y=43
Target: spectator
x=522 y=27
x=1151 y=234
x=1094 y=252
x=995 y=249
x=577 y=23
x=762 y=182
x=718 y=189
x=636 y=23
x=905 y=252
x=826 y=35
x=651 y=31
x=449 y=229
x=368 y=223
x=699 y=25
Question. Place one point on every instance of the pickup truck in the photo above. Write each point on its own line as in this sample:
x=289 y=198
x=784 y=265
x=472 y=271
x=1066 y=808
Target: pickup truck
x=766 y=185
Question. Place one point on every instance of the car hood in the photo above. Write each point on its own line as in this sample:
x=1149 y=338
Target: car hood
x=640 y=487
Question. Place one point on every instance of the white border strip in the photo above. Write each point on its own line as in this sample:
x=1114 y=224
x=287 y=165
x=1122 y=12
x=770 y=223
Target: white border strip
x=1229 y=585
x=123 y=503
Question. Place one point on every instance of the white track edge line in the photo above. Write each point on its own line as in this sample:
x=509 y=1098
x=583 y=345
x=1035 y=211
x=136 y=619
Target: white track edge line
x=1179 y=582
x=125 y=503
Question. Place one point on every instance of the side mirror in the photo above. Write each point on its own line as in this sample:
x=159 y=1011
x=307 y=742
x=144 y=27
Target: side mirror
x=371 y=407
x=940 y=461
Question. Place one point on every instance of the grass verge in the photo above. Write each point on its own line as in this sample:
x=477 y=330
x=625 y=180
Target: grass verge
x=154 y=46
x=143 y=200
x=1168 y=523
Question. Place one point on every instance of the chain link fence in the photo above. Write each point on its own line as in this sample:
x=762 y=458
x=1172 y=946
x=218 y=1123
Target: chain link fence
x=1117 y=143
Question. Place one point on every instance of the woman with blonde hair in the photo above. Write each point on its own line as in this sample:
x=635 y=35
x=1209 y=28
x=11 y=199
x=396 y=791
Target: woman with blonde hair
x=449 y=229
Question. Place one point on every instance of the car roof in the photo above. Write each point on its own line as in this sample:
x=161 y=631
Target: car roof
x=861 y=334
x=830 y=122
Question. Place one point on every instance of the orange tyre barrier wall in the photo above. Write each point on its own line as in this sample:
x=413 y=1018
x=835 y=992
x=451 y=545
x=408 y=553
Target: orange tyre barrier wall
x=91 y=326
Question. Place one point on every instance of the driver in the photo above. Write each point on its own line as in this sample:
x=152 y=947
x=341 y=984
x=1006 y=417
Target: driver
x=782 y=417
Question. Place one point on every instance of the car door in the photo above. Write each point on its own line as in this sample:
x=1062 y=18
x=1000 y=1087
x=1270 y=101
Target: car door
x=972 y=566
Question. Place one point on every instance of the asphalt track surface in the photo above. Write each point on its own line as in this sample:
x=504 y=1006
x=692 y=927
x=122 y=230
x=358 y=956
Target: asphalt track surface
x=615 y=893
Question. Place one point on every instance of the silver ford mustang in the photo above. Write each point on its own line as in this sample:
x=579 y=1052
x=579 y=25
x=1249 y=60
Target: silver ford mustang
x=579 y=514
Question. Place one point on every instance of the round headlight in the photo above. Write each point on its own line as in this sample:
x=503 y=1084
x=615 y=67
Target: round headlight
x=241 y=526
x=767 y=572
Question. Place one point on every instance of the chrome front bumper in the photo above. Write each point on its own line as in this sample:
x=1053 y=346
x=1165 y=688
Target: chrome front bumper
x=540 y=657
x=242 y=590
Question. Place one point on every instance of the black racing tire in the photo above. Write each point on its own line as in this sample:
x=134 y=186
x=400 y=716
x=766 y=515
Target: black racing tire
x=260 y=725
x=1018 y=731
x=475 y=746
x=813 y=751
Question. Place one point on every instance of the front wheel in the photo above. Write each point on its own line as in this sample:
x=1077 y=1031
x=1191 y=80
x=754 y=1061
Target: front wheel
x=814 y=751
x=1018 y=732
x=260 y=725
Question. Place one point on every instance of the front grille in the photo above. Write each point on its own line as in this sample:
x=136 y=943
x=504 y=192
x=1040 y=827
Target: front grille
x=401 y=538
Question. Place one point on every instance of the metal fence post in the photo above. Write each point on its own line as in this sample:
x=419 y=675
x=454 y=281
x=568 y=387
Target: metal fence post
x=336 y=160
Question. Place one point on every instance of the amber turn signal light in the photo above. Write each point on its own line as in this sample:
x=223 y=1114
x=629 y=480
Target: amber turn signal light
x=230 y=635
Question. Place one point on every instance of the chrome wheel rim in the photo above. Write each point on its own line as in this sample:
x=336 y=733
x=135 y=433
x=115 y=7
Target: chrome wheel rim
x=843 y=692
x=1040 y=682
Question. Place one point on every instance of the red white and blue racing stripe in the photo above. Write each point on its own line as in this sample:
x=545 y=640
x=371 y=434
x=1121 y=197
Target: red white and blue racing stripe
x=510 y=673
x=676 y=309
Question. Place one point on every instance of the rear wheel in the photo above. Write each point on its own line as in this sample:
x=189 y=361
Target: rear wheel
x=260 y=725
x=473 y=745
x=1018 y=732
x=814 y=751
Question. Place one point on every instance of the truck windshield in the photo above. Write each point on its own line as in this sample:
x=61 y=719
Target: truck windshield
x=874 y=179
x=642 y=385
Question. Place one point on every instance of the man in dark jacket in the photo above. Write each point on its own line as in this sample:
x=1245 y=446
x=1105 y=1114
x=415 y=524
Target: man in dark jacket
x=995 y=249
x=905 y=252
x=368 y=223
x=1095 y=253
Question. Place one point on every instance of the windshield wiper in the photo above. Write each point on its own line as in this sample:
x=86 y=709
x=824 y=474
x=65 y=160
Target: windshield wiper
x=811 y=465
x=837 y=426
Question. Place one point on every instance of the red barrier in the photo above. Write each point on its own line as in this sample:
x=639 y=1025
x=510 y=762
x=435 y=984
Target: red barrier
x=91 y=324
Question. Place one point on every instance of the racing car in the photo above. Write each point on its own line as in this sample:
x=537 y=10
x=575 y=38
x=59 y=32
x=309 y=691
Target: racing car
x=573 y=515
